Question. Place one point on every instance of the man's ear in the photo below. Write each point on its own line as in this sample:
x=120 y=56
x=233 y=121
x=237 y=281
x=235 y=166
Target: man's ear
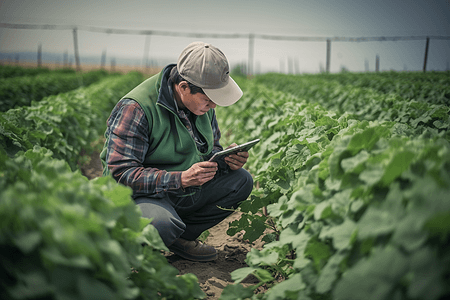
x=184 y=87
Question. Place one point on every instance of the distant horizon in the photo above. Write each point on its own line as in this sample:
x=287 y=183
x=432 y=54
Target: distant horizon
x=59 y=57
x=247 y=32
x=52 y=58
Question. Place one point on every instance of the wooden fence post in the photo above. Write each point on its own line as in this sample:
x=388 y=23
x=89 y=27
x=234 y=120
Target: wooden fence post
x=39 y=56
x=103 y=61
x=328 y=55
x=75 y=46
x=426 y=54
x=146 y=49
x=377 y=63
x=251 y=46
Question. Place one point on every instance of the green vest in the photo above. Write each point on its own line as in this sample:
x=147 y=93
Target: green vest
x=171 y=147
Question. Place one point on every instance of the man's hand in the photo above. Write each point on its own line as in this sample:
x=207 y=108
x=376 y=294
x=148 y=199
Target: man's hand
x=236 y=161
x=198 y=174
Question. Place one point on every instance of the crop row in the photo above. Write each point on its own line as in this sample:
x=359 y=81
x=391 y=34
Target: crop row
x=65 y=237
x=432 y=87
x=63 y=123
x=397 y=89
x=61 y=235
x=8 y=71
x=22 y=90
x=357 y=203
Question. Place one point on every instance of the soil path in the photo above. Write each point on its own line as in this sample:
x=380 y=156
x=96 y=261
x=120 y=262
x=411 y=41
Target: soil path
x=212 y=276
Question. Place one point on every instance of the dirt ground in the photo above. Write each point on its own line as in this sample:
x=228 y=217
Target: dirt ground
x=212 y=276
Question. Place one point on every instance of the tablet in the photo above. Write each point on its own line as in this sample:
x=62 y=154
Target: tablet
x=239 y=148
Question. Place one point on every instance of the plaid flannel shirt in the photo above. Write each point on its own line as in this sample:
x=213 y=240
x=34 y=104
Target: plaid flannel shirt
x=128 y=145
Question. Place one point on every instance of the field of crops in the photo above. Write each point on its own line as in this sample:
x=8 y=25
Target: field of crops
x=352 y=189
x=354 y=173
x=61 y=235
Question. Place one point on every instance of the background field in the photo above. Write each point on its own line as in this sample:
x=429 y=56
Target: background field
x=352 y=181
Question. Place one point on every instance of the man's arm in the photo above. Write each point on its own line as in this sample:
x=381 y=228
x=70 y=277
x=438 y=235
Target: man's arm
x=128 y=144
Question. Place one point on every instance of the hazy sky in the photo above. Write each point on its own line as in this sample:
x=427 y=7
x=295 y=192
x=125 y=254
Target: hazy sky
x=321 y=18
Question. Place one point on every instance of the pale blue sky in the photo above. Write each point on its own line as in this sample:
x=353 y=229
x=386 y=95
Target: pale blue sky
x=344 y=18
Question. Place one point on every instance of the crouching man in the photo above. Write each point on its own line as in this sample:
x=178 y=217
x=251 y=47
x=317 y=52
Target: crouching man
x=159 y=138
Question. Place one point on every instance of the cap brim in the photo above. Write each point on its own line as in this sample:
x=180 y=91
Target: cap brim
x=226 y=95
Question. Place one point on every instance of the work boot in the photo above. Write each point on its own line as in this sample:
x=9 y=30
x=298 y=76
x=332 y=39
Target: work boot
x=193 y=250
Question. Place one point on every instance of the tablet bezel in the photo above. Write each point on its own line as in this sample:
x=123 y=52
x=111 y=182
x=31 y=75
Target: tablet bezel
x=239 y=148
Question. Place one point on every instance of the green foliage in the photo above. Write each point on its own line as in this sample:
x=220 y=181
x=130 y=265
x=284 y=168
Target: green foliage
x=23 y=90
x=356 y=182
x=8 y=71
x=354 y=170
x=432 y=87
x=67 y=122
x=61 y=235
x=65 y=237
x=388 y=97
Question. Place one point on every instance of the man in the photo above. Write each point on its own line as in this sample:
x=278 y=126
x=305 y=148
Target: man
x=159 y=138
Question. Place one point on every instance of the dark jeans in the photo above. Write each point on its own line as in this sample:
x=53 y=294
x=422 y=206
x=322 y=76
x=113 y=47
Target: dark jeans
x=188 y=214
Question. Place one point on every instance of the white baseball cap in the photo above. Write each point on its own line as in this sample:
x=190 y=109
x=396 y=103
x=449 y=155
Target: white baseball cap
x=207 y=67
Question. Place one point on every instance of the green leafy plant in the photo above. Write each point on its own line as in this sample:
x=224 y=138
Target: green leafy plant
x=65 y=237
x=67 y=122
x=23 y=90
x=358 y=198
x=8 y=71
x=387 y=98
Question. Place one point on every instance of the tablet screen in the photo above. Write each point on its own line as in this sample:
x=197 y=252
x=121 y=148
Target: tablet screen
x=239 y=148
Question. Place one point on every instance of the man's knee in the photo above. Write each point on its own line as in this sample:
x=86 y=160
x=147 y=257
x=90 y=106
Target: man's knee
x=168 y=224
x=169 y=228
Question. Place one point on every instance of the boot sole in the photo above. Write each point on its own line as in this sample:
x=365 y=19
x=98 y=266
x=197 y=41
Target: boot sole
x=203 y=258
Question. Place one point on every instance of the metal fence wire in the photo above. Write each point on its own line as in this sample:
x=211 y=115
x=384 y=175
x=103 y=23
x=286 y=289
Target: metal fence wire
x=250 y=36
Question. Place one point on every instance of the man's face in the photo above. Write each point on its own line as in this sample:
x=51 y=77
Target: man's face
x=199 y=104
